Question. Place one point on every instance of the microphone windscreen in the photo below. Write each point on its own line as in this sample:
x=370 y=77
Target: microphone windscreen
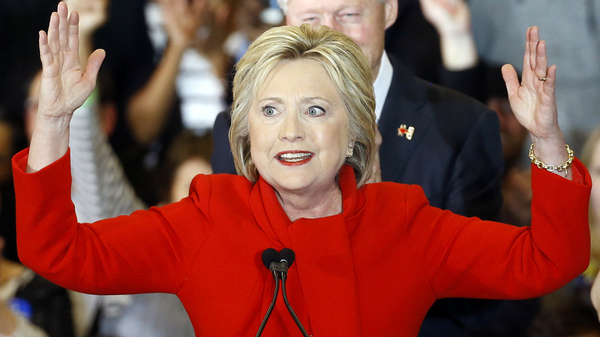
x=270 y=255
x=288 y=255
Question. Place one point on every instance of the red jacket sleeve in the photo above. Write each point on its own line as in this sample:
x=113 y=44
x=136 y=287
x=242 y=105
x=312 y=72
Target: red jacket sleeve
x=149 y=251
x=468 y=257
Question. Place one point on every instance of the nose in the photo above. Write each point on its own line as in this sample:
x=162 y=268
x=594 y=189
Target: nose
x=291 y=129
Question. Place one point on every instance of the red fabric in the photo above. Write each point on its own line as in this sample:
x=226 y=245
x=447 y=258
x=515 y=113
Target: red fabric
x=374 y=270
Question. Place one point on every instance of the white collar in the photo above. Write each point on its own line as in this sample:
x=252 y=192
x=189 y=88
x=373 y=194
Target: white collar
x=382 y=83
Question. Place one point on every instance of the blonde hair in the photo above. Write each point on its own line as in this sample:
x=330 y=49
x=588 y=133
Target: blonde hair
x=347 y=68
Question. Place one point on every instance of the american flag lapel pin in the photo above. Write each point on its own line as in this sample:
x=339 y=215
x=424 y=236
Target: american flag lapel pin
x=403 y=130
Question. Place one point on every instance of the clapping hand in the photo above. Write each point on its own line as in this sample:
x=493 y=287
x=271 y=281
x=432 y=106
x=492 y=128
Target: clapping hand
x=93 y=14
x=452 y=21
x=447 y=16
x=533 y=100
x=64 y=86
x=183 y=18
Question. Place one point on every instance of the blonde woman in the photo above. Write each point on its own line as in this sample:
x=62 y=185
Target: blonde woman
x=370 y=258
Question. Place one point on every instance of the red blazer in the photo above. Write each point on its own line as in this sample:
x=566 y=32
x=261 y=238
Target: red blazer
x=373 y=270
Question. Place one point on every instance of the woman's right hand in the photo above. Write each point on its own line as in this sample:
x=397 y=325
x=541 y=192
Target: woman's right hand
x=64 y=87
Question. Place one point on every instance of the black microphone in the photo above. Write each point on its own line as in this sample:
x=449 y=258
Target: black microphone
x=270 y=258
x=278 y=263
x=287 y=258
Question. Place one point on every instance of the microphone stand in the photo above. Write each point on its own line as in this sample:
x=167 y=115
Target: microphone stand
x=287 y=304
x=278 y=263
x=270 y=310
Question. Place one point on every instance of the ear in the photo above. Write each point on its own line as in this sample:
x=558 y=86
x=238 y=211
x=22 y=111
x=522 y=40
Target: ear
x=350 y=149
x=391 y=12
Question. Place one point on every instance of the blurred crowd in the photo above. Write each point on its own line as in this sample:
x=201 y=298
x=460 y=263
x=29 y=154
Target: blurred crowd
x=147 y=129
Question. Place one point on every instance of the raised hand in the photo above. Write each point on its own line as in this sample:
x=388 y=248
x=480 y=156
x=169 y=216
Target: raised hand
x=93 y=14
x=182 y=18
x=447 y=16
x=452 y=20
x=533 y=100
x=64 y=86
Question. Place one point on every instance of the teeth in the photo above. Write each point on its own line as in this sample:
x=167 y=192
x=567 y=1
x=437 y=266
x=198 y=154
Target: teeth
x=295 y=156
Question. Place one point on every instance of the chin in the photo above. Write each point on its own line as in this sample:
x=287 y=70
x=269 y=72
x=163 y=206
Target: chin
x=292 y=184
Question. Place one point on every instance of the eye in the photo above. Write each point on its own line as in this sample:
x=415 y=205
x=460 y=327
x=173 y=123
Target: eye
x=315 y=111
x=269 y=110
x=311 y=20
x=350 y=17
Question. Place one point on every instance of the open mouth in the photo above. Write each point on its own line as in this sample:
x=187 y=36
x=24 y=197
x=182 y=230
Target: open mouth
x=294 y=158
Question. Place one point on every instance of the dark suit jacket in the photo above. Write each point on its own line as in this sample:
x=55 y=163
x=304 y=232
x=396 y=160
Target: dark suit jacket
x=455 y=154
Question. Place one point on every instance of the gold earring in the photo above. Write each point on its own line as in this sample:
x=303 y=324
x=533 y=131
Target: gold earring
x=350 y=151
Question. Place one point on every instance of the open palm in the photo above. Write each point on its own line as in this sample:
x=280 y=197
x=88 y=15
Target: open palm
x=65 y=85
x=532 y=100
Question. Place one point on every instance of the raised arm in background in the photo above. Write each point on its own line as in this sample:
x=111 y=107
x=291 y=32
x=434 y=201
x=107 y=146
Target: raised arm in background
x=100 y=187
x=149 y=108
x=452 y=20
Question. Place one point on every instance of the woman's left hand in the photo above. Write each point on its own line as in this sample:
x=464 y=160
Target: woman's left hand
x=533 y=100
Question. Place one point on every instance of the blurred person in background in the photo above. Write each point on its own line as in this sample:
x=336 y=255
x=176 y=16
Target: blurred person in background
x=30 y=301
x=466 y=72
x=191 y=76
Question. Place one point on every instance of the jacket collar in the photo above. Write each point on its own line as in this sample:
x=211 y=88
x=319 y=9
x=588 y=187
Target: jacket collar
x=324 y=260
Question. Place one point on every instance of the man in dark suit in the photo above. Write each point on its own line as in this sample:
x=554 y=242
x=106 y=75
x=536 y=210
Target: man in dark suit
x=437 y=138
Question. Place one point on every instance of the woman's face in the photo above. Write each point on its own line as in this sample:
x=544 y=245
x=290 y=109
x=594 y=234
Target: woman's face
x=298 y=128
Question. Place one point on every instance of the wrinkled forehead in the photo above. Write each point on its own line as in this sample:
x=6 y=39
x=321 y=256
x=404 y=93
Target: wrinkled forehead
x=303 y=74
x=324 y=5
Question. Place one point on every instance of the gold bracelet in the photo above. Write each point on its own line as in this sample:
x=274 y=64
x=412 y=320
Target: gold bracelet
x=564 y=167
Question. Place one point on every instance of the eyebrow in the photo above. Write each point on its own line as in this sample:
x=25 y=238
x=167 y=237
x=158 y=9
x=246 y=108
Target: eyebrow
x=276 y=99
x=305 y=99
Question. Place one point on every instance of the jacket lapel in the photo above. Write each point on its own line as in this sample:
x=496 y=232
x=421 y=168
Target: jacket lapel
x=404 y=105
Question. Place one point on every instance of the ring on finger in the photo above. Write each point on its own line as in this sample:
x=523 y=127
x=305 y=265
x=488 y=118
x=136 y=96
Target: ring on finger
x=542 y=78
